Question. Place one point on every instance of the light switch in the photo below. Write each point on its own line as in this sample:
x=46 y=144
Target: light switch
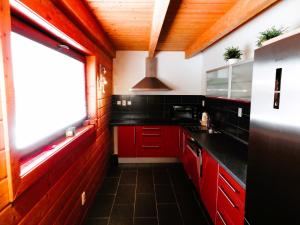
x=128 y=102
x=240 y=112
x=119 y=102
x=203 y=103
x=123 y=102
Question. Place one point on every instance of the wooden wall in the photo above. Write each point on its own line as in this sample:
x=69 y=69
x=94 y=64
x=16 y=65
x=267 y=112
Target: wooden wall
x=56 y=197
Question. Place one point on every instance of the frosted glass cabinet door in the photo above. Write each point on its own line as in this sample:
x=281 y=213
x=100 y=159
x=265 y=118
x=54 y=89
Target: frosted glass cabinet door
x=217 y=83
x=241 y=81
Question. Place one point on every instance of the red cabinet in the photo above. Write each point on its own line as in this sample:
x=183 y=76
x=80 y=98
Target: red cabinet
x=172 y=141
x=208 y=183
x=149 y=141
x=126 y=141
x=231 y=200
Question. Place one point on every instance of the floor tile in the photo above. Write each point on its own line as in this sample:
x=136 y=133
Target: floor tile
x=109 y=186
x=96 y=221
x=101 y=206
x=145 y=221
x=161 y=177
x=122 y=211
x=145 y=205
x=128 y=177
x=125 y=194
x=164 y=194
x=114 y=172
x=145 y=184
x=121 y=221
x=168 y=211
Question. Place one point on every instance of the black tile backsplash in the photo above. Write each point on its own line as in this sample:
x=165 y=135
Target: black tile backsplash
x=223 y=113
x=224 y=116
x=156 y=106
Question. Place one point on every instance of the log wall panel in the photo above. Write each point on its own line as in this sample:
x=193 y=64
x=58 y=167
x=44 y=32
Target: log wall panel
x=55 y=198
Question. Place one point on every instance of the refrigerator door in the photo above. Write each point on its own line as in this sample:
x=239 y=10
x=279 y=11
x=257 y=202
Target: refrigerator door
x=273 y=179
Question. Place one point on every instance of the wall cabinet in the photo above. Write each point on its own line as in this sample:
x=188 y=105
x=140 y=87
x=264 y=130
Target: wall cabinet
x=233 y=81
x=149 y=141
x=208 y=183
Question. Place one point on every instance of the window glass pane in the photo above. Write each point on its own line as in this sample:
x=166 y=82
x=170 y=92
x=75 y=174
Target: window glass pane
x=49 y=91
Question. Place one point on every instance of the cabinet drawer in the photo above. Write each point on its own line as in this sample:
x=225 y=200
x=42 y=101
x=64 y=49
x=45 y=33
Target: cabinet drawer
x=151 y=130
x=221 y=219
x=150 y=150
x=232 y=188
x=232 y=211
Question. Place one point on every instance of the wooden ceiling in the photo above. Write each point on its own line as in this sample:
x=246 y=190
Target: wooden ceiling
x=130 y=23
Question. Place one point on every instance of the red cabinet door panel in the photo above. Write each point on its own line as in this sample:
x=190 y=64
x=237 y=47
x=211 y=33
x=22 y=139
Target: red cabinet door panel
x=231 y=186
x=172 y=141
x=208 y=183
x=126 y=141
x=232 y=211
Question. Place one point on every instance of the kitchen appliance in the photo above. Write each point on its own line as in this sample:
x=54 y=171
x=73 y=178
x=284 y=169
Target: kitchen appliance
x=184 y=112
x=150 y=82
x=193 y=161
x=273 y=177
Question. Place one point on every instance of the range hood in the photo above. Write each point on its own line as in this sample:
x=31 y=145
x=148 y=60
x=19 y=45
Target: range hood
x=150 y=82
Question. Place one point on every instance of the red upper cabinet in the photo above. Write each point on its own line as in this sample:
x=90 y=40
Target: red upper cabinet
x=126 y=141
x=172 y=141
x=208 y=183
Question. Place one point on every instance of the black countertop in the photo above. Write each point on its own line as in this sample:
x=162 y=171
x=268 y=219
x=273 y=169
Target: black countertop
x=230 y=153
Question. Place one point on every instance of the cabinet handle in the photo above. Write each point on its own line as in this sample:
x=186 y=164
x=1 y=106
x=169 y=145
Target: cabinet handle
x=151 y=134
x=229 y=200
x=179 y=142
x=150 y=146
x=227 y=182
x=134 y=138
x=151 y=128
x=221 y=217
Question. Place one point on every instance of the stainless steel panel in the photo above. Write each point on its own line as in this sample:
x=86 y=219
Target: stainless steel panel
x=273 y=181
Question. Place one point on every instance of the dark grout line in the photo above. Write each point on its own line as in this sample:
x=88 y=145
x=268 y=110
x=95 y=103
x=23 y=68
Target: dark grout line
x=113 y=204
x=176 y=200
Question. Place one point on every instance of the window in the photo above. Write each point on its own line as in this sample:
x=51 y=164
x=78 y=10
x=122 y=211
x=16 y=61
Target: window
x=49 y=93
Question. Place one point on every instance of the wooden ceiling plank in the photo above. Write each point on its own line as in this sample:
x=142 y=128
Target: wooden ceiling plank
x=240 y=13
x=159 y=14
x=80 y=13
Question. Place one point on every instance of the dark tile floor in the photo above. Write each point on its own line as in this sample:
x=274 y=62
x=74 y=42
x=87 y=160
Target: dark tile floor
x=144 y=194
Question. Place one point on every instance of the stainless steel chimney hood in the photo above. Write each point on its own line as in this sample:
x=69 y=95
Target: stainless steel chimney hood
x=150 y=82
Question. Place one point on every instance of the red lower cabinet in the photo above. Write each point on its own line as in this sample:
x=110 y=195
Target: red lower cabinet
x=149 y=141
x=172 y=141
x=126 y=141
x=208 y=183
x=231 y=200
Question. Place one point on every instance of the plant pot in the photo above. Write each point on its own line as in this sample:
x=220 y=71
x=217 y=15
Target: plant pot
x=232 y=61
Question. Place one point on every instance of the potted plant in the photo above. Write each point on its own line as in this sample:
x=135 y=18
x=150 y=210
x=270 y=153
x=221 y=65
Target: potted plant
x=232 y=54
x=269 y=34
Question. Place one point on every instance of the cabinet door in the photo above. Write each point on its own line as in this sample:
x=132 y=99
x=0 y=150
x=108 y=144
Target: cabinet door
x=172 y=141
x=217 y=82
x=150 y=141
x=208 y=183
x=126 y=141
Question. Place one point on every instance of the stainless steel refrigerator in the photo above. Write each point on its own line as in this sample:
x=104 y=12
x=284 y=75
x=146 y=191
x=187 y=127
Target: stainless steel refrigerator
x=273 y=177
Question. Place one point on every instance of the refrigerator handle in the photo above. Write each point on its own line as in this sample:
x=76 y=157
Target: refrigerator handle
x=277 y=88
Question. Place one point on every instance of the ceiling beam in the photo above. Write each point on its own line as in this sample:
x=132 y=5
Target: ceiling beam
x=239 y=14
x=80 y=13
x=159 y=14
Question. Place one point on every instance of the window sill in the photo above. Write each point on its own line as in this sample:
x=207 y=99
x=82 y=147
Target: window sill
x=30 y=164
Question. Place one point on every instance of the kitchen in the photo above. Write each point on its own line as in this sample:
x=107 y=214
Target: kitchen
x=149 y=112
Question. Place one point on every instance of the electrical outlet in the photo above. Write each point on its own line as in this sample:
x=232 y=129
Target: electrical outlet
x=123 y=102
x=203 y=103
x=83 y=198
x=128 y=102
x=240 y=112
x=119 y=102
